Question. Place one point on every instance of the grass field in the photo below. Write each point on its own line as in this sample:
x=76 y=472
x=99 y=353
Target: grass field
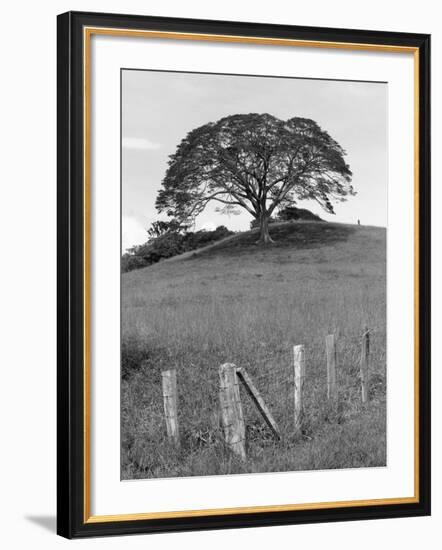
x=240 y=303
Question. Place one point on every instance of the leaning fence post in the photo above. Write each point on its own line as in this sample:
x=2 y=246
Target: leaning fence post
x=365 y=357
x=170 y=399
x=258 y=400
x=231 y=410
x=299 y=373
x=331 y=365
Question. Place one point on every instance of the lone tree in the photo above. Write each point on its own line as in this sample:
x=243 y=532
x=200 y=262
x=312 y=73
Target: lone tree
x=256 y=162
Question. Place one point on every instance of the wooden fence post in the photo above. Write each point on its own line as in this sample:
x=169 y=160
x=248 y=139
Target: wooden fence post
x=365 y=358
x=170 y=399
x=299 y=373
x=331 y=365
x=259 y=401
x=232 y=418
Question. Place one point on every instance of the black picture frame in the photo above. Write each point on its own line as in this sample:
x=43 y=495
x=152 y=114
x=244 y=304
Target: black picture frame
x=72 y=394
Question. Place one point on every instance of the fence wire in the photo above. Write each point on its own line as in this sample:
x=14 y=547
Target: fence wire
x=198 y=392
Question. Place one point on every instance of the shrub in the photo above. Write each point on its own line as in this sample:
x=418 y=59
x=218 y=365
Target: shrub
x=291 y=213
x=159 y=228
x=130 y=262
x=170 y=244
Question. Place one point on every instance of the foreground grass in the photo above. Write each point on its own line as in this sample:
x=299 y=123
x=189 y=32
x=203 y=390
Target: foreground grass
x=236 y=302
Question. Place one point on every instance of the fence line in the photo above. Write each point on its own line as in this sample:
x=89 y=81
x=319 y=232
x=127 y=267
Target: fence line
x=281 y=395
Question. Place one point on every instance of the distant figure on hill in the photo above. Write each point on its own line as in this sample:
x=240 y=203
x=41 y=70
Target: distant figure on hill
x=359 y=222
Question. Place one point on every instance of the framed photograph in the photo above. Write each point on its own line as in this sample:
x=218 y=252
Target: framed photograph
x=243 y=274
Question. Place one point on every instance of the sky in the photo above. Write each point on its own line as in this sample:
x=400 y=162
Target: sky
x=160 y=108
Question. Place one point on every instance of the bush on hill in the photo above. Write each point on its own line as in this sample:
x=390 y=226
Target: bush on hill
x=169 y=244
x=130 y=262
x=288 y=214
x=291 y=213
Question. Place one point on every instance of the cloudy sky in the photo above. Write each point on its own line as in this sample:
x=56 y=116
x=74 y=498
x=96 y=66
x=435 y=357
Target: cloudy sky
x=160 y=108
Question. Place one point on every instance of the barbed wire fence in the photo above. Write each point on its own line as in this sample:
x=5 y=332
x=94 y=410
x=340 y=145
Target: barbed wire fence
x=262 y=405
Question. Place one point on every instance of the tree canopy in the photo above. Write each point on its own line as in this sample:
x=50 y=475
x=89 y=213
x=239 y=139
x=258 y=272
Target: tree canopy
x=254 y=162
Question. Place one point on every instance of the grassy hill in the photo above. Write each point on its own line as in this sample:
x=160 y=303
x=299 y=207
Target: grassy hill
x=241 y=303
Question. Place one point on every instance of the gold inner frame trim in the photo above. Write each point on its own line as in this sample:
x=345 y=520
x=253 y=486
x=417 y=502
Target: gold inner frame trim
x=134 y=33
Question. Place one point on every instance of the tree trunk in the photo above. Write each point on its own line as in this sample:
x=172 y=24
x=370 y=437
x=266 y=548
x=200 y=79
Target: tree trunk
x=264 y=235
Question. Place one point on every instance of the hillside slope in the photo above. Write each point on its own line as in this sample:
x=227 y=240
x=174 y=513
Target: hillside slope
x=241 y=303
x=298 y=246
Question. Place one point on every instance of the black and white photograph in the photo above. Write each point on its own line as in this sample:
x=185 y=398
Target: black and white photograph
x=222 y=254
x=253 y=274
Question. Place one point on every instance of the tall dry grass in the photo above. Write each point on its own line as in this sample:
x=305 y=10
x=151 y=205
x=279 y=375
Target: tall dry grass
x=248 y=305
